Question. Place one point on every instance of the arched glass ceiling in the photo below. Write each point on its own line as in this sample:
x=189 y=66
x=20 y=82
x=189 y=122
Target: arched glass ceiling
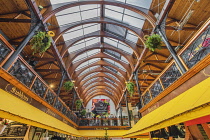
x=77 y=14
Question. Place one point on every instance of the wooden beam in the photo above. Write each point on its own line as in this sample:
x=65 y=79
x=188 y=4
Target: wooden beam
x=15 y=20
x=154 y=61
x=44 y=59
x=47 y=70
x=184 y=28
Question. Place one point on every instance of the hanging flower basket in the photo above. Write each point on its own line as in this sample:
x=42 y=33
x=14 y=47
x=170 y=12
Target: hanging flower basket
x=130 y=88
x=68 y=85
x=40 y=42
x=78 y=104
x=153 y=42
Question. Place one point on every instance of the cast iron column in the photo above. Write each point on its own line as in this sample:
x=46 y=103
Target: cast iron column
x=61 y=82
x=74 y=97
x=21 y=46
x=139 y=91
x=171 y=50
x=126 y=100
x=121 y=115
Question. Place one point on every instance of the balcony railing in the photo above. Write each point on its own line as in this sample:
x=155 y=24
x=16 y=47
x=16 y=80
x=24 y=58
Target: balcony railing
x=194 y=51
x=103 y=122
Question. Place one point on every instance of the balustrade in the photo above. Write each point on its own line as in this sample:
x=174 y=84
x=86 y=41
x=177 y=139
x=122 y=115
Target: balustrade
x=102 y=122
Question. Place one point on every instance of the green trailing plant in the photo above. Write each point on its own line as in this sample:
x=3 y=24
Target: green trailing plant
x=153 y=42
x=40 y=42
x=130 y=88
x=68 y=85
x=83 y=112
x=78 y=104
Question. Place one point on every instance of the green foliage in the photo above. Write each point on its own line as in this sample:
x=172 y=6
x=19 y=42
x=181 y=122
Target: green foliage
x=40 y=42
x=68 y=85
x=153 y=42
x=83 y=112
x=78 y=104
x=130 y=88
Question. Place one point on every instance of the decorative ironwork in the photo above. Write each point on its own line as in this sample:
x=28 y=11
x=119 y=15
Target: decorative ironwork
x=58 y=105
x=50 y=97
x=64 y=109
x=4 y=51
x=171 y=75
x=146 y=97
x=22 y=73
x=39 y=88
x=156 y=89
x=198 y=50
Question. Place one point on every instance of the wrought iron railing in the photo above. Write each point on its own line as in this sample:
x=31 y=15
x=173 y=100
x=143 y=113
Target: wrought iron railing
x=22 y=71
x=6 y=50
x=197 y=50
x=103 y=122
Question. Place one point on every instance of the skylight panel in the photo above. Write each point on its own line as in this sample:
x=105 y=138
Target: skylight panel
x=86 y=63
x=88 y=7
x=90 y=75
x=115 y=8
x=125 y=48
x=75 y=17
x=92 y=41
x=110 y=68
x=93 y=52
x=77 y=46
x=89 y=81
x=91 y=29
x=72 y=35
x=140 y=3
x=110 y=42
x=133 y=38
x=88 y=70
x=133 y=14
x=80 y=57
x=89 y=14
x=117 y=30
x=68 y=11
x=109 y=74
x=113 y=15
x=60 y=1
x=133 y=21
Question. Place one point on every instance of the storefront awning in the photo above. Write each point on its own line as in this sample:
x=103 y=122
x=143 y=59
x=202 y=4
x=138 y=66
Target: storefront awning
x=191 y=104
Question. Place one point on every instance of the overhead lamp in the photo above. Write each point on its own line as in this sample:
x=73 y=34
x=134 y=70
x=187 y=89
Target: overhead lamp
x=73 y=81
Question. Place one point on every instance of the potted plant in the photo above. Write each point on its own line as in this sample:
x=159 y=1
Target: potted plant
x=78 y=104
x=68 y=85
x=3 y=125
x=40 y=42
x=130 y=88
x=153 y=42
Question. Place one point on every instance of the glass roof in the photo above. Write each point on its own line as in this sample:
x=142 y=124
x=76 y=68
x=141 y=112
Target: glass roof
x=78 y=14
